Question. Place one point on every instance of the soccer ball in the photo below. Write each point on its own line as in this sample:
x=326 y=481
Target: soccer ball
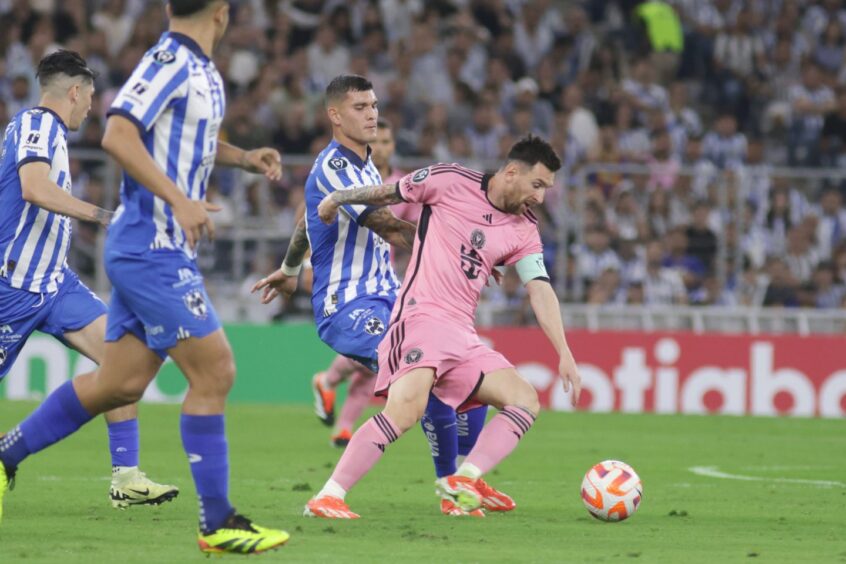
x=611 y=490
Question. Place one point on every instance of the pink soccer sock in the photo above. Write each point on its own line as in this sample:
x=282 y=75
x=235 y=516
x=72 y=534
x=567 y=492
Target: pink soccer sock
x=499 y=437
x=365 y=449
x=362 y=386
x=339 y=370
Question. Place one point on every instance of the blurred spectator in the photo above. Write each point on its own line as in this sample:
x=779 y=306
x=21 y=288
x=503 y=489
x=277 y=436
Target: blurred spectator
x=702 y=242
x=725 y=146
x=596 y=256
x=661 y=285
x=810 y=101
x=781 y=289
x=828 y=293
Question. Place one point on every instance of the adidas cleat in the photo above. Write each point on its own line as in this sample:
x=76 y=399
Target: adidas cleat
x=460 y=490
x=492 y=499
x=239 y=535
x=451 y=509
x=324 y=400
x=328 y=507
x=342 y=439
x=130 y=486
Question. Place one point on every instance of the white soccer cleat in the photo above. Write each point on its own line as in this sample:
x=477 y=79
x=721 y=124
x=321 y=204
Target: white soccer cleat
x=130 y=486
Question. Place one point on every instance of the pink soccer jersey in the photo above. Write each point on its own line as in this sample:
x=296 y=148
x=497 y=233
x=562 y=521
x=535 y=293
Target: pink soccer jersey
x=405 y=211
x=461 y=237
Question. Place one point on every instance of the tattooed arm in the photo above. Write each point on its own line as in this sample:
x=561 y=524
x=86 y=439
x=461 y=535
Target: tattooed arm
x=393 y=230
x=284 y=280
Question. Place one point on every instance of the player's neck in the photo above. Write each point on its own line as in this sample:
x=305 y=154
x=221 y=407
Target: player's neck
x=199 y=31
x=495 y=195
x=58 y=107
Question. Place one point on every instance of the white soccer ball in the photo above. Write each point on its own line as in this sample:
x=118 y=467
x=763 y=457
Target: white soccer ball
x=611 y=491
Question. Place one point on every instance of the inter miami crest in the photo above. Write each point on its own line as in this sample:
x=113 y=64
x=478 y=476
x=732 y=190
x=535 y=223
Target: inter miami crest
x=337 y=163
x=420 y=175
x=374 y=326
x=413 y=356
x=196 y=303
x=477 y=238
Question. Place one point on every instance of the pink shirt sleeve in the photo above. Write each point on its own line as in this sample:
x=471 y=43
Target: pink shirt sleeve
x=530 y=244
x=419 y=187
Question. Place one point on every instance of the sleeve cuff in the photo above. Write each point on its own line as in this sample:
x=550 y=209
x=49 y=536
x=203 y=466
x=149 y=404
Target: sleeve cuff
x=399 y=193
x=128 y=115
x=38 y=159
x=362 y=217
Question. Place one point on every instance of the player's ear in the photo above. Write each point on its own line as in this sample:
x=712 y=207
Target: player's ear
x=334 y=116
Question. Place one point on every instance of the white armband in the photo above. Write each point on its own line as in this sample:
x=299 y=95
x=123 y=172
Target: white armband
x=291 y=270
x=531 y=267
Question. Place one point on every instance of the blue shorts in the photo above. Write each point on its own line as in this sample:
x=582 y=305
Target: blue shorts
x=71 y=308
x=159 y=297
x=356 y=329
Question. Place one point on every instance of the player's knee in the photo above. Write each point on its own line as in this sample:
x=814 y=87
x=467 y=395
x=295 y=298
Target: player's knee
x=221 y=375
x=526 y=396
x=128 y=391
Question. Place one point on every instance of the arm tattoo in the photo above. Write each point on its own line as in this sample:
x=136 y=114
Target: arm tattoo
x=392 y=229
x=382 y=195
x=298 y=246
x=103 y=217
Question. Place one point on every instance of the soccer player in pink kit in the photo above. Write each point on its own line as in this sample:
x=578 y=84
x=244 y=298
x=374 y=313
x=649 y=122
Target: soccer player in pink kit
x=470 y=223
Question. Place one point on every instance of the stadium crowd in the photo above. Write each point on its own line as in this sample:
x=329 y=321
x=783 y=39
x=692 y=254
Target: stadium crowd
x=711 y=98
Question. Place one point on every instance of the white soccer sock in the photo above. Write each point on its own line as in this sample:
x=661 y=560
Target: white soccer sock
x=469 y=471
x=333 y=489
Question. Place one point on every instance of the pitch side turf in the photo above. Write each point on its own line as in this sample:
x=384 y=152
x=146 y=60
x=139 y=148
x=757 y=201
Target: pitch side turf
x=790 y=508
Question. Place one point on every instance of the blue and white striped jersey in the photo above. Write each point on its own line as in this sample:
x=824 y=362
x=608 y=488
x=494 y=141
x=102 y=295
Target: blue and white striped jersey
x=349 y=260
x=176 y=98
x=33 y=241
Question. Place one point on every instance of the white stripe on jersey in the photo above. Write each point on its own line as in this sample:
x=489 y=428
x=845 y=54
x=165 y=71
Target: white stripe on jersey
x=357 y=269
x=337 y=257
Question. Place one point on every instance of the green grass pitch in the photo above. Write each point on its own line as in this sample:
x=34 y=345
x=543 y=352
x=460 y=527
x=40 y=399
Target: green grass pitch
x=59 y=511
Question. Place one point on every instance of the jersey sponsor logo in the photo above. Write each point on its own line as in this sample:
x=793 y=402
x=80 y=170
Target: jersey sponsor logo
x=196 y=303
x=8 y=335
x=420 y=175
x=187 y=277
x=477 y=238
x=33 y=138
x=374 y=326
x=152 y=331
x=6 y=329
x=164 y=57
x=471 y=262
x=140 y=87
x=413 y=356
x=338 y=163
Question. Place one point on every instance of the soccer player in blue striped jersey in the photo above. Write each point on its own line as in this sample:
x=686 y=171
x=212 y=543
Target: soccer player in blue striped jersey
x=38 y=291
x=163 y=130
x=354 y=286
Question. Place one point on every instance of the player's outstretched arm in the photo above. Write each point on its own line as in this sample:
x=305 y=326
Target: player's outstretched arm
x=264 y=160
x=392 y=229
x=39 y=190
x=284 y=280
x=548 y=313
x=123 y=142
x=382 y=195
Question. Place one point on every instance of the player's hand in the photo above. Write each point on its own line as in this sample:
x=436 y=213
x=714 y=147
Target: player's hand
x=193 y=217
x=570 y=376
x=264 y=161
x=275 y=284
x=328 y=210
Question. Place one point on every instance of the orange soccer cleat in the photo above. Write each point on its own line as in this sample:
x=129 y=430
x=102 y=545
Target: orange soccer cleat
x=324 y=400
x=328 y=507
x=451 y=509
x=493 y=499
x=460 y=490
x=342 y=438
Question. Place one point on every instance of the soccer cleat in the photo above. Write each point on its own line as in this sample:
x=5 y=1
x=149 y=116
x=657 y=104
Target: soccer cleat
x=7 y=482
x=492 y=499
x=130 y=486
x=324 y=400
x=449 y=508
x=460 y=490
x=342 y=439
x=328 y=507
x=239 y=535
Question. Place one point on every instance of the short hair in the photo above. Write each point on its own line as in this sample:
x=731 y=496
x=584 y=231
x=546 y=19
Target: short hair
x=532 y=150
x=344 y=83
x=69 y=63
x=185 y=8
x=383 y=123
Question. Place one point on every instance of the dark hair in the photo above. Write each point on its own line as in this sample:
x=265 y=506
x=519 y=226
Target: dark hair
x=65 y=62
x=383 y=123
x=344 y=83
x=533 y=150
x=184 y=8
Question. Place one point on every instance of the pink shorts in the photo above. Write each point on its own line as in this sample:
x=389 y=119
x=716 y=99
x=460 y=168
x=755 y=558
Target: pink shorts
x=458 y=356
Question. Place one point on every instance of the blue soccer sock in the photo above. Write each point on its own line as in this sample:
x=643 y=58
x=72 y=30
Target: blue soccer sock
x=204 y=440
x=439 y=427
x=470 y=424
x=59 y=416
x=123 y=442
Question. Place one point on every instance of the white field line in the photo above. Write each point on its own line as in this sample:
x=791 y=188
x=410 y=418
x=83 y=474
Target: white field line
x=714 y=472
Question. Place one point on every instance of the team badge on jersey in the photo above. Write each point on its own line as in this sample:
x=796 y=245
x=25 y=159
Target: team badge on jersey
x=413 y=356
x=374 y=326
x=420 y=175
x=164 y=57
x=477 y=238
x=196 y=304
x=471 y=262
x=337 y=163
